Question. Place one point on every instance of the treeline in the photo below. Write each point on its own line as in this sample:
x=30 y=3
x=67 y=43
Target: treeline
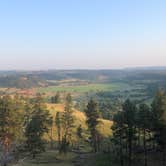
x=22 y=81
x=140 y=131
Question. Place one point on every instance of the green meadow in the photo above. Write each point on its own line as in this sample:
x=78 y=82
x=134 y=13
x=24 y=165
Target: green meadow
x=84 y=88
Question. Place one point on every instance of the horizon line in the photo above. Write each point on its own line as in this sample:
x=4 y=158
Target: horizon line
x=63 y=69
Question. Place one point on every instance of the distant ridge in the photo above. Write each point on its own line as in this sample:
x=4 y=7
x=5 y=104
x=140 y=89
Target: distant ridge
x=146 y=68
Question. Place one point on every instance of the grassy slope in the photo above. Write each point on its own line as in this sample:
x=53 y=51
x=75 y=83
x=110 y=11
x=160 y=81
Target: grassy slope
x=104 y=127
x=52 y=158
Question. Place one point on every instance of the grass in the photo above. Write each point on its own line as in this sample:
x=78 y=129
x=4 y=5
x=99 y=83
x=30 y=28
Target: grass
x=98 y=160
x=154 y=159
x=84 y=88
x=104 y=126
x=104 y=160
x=50 y=158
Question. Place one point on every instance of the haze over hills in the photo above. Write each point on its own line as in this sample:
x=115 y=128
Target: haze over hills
x=28 y=79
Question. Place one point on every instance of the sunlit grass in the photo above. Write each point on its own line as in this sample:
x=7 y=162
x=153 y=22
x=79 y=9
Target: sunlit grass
x=83 y=88
x=104 y=126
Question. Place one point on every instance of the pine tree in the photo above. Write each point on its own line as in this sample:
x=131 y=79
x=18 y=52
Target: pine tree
x=119 y=137
x=159 y=121
x=56 y=99
x=51 y=123
x=144 y=120
x=92 y=114
x=67 y=124
x=129 y=110
x=10 y=125
x=58 y=122
x=37 y=127
x=124 y=131
x=79 y=134
x=79 y=131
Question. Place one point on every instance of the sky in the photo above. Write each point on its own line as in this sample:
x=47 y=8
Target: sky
x=82 y=34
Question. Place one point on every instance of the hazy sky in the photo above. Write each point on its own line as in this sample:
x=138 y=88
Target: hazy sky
x=94 y=34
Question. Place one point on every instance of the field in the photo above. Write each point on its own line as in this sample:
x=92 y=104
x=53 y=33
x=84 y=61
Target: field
x=84 y=88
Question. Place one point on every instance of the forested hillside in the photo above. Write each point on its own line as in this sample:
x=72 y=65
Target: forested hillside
x=57 y=133
x=114 y=118
x=21 y=81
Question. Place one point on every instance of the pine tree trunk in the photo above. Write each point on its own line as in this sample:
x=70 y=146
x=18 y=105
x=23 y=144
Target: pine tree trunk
x=121 y=151
x=130 y=148
x=139 y=137
x=153 y=142
x=95 y=144
x=130 y=152
x=59 y=137
x=150 y=138
x=34 y=156
x=145 y=149
x=51 y=141
x=164 y=153
x=94 y=141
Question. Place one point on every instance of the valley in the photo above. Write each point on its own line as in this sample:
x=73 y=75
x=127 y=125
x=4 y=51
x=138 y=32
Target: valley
x=64 y=104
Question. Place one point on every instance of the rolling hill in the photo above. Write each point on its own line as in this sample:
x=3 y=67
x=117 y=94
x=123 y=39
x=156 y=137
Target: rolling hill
x=104 y=126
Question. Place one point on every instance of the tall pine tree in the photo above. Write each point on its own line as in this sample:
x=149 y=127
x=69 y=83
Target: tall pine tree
x=92 y=114
x=67 y=124
x=37 y=127
x=11 y=127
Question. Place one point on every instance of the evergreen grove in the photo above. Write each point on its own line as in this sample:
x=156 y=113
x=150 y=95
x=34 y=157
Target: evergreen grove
x=137 y=131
